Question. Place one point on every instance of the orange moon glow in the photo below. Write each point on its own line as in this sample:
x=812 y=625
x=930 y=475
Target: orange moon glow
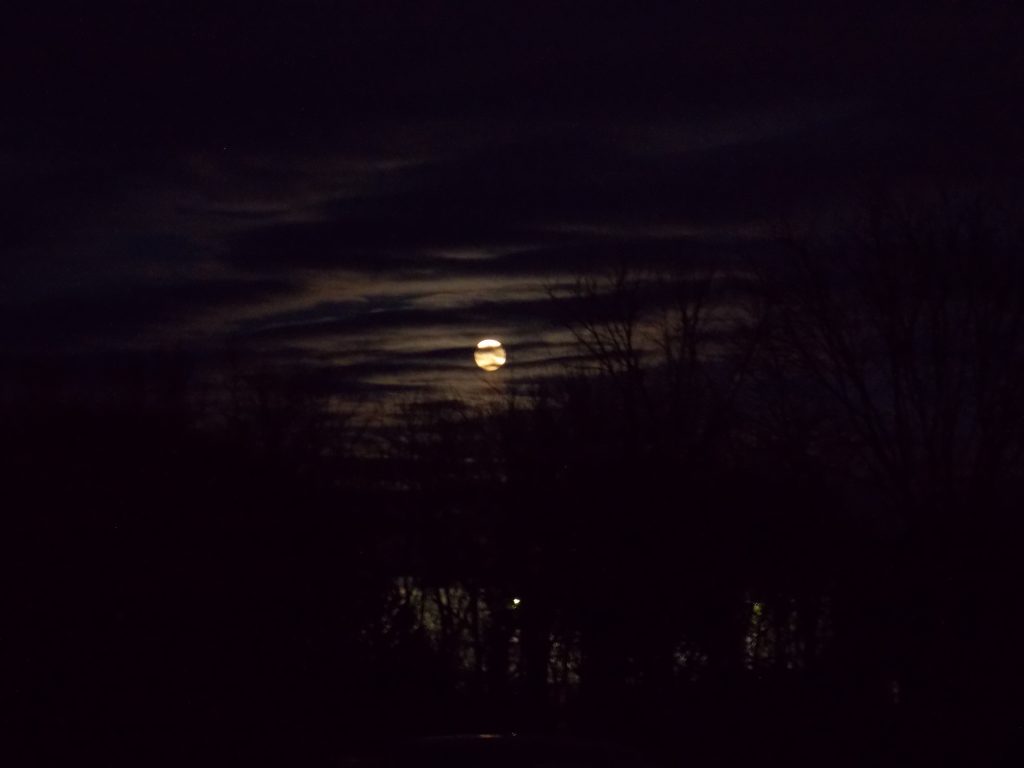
x=490 y=355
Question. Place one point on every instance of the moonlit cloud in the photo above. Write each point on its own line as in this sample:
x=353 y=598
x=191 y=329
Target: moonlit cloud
x=376 y=224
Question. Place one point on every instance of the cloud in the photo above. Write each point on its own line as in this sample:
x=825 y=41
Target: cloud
x=558 y=201
x=405 y=340
x=323 y=177
x=127 y=313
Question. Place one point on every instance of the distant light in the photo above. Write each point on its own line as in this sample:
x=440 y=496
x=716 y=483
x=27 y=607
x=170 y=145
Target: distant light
x=490 y=355
x=516 y=601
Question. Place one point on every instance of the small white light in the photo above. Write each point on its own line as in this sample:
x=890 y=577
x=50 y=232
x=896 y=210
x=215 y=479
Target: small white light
x=516 y=601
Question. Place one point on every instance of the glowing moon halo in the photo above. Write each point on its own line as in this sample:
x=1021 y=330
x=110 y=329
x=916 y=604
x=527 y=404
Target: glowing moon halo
x=489 y=355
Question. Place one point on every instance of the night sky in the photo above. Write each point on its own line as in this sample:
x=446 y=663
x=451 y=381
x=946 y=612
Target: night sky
x=370 y=188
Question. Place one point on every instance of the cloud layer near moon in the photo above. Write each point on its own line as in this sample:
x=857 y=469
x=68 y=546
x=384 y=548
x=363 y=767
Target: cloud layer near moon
x=361 y=192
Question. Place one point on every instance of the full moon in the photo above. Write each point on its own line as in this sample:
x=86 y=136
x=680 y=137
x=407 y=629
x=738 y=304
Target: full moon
x=489 y=355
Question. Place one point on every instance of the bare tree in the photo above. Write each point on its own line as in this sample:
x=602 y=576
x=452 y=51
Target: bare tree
x=912 y=322
x=670 y=346
x=903 y=333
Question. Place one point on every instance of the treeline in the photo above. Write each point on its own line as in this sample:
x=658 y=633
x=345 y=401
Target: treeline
x=770 y=511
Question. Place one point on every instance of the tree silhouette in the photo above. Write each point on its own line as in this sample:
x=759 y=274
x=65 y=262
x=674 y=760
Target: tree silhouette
x=905 y=331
